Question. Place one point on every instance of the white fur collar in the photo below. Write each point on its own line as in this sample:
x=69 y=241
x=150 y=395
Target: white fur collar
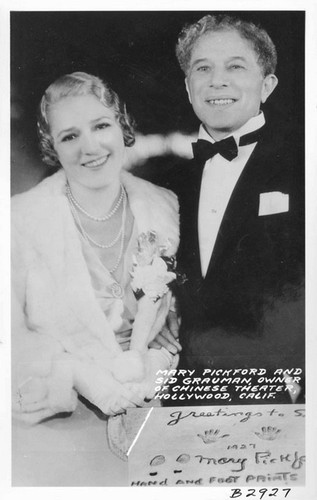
x=154 y=208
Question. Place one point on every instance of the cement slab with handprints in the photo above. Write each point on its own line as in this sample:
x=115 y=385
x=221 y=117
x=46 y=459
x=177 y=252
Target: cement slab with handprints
x=261 y=445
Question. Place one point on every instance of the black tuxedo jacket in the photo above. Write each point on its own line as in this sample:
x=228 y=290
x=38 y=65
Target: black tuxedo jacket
x=249 y=309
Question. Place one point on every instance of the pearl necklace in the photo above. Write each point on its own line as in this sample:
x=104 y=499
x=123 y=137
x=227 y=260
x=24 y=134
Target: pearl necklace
x=99 y=245
x=92 y=217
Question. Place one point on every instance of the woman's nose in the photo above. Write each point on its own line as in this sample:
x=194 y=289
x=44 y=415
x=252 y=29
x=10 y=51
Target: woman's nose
x=88 y=143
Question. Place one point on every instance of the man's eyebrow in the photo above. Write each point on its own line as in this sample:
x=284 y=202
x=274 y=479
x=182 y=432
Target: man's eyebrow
x=234 y=58
x=206 y=59
x=199 y=61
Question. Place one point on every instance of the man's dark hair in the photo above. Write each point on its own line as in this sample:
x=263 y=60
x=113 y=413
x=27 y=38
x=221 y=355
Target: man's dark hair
x=257 y=36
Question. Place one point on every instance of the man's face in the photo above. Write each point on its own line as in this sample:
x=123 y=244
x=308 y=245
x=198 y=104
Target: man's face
x=225 y=83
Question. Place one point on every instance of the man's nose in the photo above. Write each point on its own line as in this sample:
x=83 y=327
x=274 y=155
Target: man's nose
x=218 y=78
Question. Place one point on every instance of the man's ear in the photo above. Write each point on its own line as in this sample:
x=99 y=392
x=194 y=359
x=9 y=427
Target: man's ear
x=269 y=84
x=188 y=91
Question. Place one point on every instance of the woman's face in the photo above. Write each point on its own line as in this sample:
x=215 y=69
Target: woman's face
x=88 y=140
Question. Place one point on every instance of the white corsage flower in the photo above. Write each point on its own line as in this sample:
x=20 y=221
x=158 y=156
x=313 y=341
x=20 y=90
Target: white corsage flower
x=152 y=279
x=152 y=272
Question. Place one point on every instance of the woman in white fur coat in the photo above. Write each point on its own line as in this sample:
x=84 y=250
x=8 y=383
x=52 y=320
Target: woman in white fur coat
x=92 y=258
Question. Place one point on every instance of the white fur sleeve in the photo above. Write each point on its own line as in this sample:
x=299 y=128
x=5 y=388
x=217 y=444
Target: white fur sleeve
x=42 y=382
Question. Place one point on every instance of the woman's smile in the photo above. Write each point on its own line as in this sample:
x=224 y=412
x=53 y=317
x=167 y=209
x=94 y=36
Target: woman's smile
x=100 y=162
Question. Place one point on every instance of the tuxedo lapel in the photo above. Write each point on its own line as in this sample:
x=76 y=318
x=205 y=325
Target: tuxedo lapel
x=188 y=192
x=243 y=204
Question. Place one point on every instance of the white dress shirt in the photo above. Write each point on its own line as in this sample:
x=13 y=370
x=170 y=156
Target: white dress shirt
x=218 y=181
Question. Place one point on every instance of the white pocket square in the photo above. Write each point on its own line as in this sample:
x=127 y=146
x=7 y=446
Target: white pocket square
x=274 y=202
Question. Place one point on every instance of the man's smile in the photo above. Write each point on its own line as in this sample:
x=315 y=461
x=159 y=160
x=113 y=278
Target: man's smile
x=221 y=101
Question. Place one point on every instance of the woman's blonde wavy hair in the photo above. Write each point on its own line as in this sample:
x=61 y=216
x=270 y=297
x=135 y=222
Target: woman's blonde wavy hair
x=75 y=84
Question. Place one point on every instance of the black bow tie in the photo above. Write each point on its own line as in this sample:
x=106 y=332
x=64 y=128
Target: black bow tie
x=204 y=150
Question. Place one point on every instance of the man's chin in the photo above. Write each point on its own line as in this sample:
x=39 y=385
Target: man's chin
x=220 y=130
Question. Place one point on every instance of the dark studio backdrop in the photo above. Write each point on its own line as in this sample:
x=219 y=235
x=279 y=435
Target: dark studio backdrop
x=135 y=52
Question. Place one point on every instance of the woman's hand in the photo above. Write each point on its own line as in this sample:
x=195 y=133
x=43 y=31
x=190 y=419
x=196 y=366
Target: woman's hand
x=30 y=401
x=154 y=361
x=128 y=366
x=168 y=336
x=97 y=385
x=32 y=404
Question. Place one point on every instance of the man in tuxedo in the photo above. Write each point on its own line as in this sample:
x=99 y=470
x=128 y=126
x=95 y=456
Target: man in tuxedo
x=241 y=214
